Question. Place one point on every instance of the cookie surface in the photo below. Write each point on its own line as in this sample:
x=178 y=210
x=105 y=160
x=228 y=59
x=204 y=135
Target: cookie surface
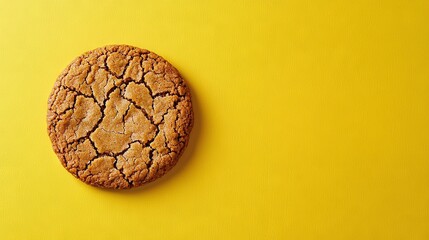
x=119 y=117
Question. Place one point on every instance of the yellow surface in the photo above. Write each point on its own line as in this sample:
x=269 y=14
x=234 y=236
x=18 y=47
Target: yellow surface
x=312 y=120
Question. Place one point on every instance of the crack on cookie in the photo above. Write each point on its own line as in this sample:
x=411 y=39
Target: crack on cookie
x=166 y=143
x=130 y=182
x=123 y=117
x=69 y=108
x=163 y=94
x=106 y=68
x=149 y=164
x=93 y=145
x=133 y=103
x=79 y=93
x=142 y=80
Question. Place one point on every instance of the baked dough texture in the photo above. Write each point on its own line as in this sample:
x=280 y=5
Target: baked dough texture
x=119 y=117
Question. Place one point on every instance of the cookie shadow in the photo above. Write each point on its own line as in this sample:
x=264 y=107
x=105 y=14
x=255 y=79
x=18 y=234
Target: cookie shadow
x=184 y=160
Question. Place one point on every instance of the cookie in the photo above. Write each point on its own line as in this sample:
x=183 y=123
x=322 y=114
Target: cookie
x=119 y=117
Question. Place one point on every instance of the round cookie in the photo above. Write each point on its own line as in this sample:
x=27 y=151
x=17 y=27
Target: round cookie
x=119 y=117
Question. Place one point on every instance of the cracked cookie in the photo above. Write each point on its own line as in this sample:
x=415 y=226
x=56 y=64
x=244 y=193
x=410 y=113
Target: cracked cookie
x=119 y=117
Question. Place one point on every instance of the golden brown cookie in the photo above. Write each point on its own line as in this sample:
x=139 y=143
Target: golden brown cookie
x=119 y=117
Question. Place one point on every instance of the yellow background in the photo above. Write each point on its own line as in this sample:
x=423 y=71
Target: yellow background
x=312 y=120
